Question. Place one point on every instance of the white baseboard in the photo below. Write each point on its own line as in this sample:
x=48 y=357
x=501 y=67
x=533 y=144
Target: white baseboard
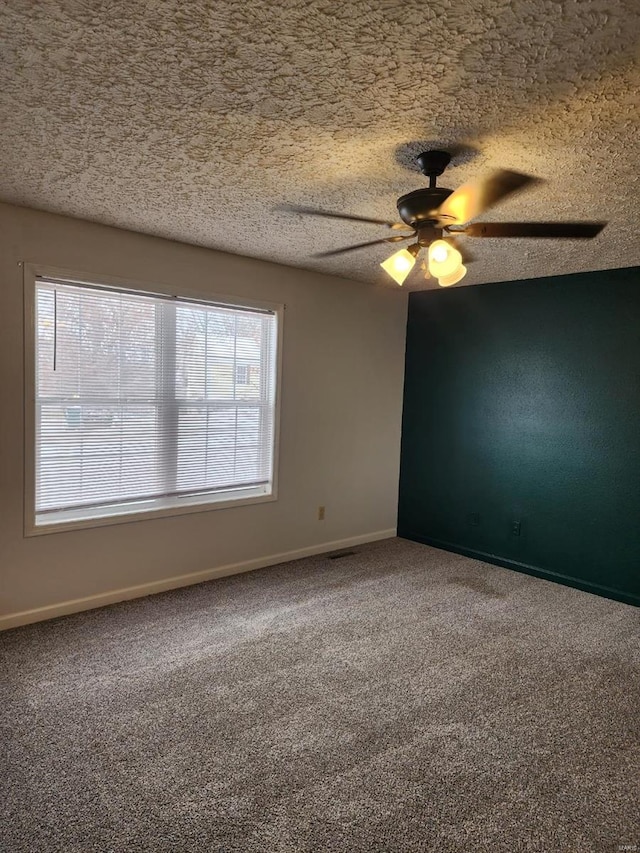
x=51 y=611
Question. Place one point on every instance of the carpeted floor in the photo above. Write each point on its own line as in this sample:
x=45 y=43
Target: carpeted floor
x=401 y=699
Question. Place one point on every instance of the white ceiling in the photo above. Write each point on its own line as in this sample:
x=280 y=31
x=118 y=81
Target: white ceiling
x=194 y=120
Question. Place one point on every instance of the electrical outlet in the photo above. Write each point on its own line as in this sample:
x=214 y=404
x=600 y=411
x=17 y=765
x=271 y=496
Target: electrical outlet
x=515 y=528
x=320 y=513
x=474 y=519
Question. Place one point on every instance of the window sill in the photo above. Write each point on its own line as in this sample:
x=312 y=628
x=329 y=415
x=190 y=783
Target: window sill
x=158 y=508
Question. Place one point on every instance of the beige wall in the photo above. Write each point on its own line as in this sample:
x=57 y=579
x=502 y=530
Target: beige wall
x=343 y=362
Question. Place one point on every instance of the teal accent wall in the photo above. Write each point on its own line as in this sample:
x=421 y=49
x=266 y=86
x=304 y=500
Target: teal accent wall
x=522 y=407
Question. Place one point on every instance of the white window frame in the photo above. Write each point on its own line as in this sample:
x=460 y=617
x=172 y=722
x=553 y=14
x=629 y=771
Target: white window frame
x=33 y=271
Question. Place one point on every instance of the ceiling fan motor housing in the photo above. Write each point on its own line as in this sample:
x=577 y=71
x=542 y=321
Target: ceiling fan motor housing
x=421 y=206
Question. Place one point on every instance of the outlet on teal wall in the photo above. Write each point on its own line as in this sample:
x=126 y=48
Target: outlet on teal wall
x=521 y=427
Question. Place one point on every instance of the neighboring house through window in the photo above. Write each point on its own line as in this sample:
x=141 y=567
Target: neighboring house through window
x=243 y=372
x=148 y=403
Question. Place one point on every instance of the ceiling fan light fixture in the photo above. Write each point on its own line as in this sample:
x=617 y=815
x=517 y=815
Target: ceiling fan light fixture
x=400 y=264
x=454 y=277
x=444 y=259
x=438 y=217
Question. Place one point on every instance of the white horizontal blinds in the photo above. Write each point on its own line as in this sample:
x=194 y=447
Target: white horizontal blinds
x=142 y=397
x=96 y=397
x=225 y=393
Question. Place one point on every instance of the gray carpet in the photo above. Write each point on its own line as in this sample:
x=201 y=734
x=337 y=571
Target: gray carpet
x=402 y=699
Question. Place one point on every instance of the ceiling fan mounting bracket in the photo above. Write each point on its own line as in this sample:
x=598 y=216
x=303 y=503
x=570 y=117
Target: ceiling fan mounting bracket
x=433 y=163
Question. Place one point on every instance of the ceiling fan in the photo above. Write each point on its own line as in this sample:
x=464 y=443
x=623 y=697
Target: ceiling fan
x=437 y=217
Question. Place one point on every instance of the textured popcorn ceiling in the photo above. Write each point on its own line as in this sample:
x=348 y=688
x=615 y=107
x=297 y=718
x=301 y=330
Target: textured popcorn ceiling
x=193 y=119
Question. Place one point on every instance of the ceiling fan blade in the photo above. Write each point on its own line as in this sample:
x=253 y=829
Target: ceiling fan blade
x=470 y=200
x=312 y=211
x=331 y=252
x=552 y=230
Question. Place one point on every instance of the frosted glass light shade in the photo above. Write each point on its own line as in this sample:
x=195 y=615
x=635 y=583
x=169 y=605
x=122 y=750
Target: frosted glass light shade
x=399 y=265
x=454 y=278
x=444 y=259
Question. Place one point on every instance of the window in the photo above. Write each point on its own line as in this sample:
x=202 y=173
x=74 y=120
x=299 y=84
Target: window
x=242 y=374
x=149 y=403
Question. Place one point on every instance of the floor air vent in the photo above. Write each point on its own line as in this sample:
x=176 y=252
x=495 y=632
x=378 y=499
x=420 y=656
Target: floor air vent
x=337 y=555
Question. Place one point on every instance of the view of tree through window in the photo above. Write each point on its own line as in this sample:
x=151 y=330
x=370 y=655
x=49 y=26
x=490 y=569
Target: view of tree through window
x=146 y=399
